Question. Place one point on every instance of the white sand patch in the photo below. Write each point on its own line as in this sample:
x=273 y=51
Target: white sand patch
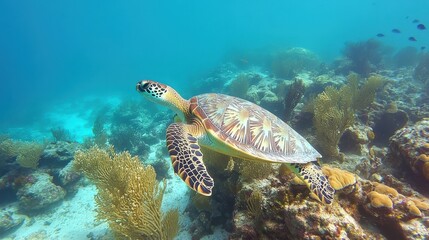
x=72 y=219
x=76 y=123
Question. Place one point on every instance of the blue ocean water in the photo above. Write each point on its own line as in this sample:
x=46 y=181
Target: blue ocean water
x=57 y=51
x=65 y=63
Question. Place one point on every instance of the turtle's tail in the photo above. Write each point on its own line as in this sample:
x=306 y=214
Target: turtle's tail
x=316 y=181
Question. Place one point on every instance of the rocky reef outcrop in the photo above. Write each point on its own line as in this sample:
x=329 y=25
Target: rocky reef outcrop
x=410 y=145
x=39 y=192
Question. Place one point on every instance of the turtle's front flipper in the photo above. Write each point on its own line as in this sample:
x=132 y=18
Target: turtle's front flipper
x=316 y=181
x=187 y=158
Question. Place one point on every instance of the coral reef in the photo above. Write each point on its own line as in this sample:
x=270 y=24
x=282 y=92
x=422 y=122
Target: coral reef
x=410 y=145
x=133 y=128
x=334 y=110
x=129 y=197
x=288 y=212
x=421 y=72
x=287 y=64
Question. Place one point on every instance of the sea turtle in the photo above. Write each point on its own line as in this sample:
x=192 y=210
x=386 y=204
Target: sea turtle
x=234 y=127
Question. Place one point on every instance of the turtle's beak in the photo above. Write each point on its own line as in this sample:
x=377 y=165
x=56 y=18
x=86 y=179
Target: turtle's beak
x=142 y=85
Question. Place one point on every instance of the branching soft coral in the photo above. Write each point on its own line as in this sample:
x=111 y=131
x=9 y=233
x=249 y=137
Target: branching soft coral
x=365 y=56
x=333 y=113
x=364 y=95
x=129 y=197
x=334 y=110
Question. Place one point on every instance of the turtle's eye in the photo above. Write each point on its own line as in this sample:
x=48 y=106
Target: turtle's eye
x=142 y=86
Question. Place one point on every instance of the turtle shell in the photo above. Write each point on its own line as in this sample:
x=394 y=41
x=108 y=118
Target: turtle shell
x=250 y=129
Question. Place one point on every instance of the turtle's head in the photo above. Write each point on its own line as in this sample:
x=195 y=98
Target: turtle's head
x=164 y=95
x=153 y=91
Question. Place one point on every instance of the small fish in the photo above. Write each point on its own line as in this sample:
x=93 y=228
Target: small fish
x=416 y=21
x=422 y=48
x=412 y=39
x=395 y=30
x=421 y=27
x=380 y=35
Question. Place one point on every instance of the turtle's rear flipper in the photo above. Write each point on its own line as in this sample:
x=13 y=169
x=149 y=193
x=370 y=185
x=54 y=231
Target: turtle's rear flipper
x=187 y=158
x=316 y=181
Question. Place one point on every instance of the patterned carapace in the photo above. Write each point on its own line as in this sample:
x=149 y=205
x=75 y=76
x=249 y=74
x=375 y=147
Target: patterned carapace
x=252 y=129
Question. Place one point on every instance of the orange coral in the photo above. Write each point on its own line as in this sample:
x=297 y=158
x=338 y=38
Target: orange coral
x=413 y=209
x=338 y=178
x=424 y=157
x=424 y=206
x=380 y=200
x=381 y=188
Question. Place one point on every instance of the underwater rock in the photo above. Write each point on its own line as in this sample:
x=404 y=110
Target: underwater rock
x=386 y=125
x=411 y=145
x=372 y=164
x=42 y=193
x=355 y=139
x=263 y=94
x=9 y=220
x=68 y=174
x=362 y=210
x=59 y=153
x=289 y=213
